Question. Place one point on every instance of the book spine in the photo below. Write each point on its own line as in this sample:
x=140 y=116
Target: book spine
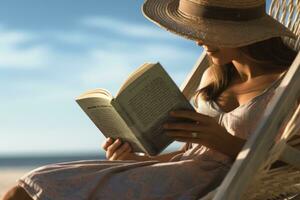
x=143 y=145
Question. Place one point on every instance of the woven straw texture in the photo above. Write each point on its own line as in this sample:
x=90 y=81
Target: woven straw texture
x=231 y=3
x=222 y=33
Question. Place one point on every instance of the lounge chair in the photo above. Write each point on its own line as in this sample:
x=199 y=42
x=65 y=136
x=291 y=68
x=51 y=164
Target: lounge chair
x=268 y=166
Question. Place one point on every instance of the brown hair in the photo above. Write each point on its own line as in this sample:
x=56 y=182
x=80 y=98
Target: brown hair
x=269 y=53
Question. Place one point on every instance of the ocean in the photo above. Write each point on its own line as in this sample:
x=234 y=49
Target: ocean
x=40 y=160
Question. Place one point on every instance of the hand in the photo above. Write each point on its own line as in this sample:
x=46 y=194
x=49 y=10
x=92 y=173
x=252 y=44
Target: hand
x=203 y=130
x=117 y=150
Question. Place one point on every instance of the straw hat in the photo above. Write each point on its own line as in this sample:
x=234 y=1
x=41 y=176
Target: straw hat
x=223 y=23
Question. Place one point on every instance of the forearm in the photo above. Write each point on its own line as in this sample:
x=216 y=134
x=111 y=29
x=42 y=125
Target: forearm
x=232 y=147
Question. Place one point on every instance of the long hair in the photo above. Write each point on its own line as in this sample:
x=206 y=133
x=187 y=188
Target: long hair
x=268 y=54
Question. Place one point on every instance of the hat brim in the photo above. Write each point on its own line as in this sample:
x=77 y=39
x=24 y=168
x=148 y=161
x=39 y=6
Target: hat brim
x=221 y=33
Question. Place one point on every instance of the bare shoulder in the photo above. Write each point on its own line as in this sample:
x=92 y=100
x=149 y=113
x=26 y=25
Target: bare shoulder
x=206 y=78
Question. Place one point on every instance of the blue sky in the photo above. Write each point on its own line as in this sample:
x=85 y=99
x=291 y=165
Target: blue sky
x=52 y=51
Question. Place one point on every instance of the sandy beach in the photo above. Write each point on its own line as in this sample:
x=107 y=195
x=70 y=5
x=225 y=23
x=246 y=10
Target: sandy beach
x=8 y=177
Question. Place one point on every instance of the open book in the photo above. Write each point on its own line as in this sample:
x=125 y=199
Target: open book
x=139 y=109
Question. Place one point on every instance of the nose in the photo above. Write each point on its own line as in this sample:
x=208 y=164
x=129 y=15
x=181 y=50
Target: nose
x=206 y=47
x=200 y=43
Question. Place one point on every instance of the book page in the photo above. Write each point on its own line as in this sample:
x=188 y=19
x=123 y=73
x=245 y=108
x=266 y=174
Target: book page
x=108 y=121
x=148 y=100
x=98 y=92
x=137 y=73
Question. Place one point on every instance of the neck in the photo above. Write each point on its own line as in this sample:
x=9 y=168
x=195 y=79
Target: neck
x=247 y=69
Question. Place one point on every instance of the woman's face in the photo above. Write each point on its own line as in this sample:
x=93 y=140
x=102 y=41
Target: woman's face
x=220 y=56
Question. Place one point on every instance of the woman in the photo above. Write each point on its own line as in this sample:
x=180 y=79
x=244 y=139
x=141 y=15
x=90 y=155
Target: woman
x=248 y=61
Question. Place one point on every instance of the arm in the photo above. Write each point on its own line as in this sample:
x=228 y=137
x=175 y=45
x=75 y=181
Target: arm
x=209 y=132
x=235 y=143
x=204 y=130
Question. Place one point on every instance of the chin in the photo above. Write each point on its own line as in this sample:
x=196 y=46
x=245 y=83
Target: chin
x=217 y=61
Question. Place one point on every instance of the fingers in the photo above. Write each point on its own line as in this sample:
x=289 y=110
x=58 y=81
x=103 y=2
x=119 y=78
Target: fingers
x=121 y=152
x=185 y=126
x=115 y=150
x=202 y=124
x=112 y=148
x=107 y=143
x=186 y=134
x=189 y=114
x=181 y=126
